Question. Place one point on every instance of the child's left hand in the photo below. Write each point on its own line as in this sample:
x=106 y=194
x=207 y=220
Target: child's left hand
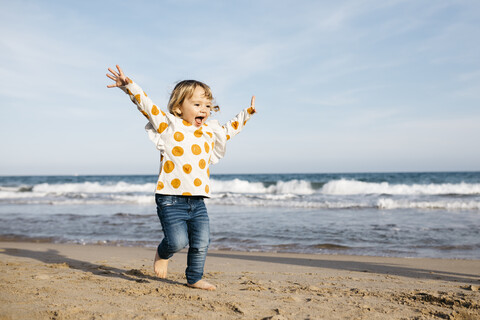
x=252 y=104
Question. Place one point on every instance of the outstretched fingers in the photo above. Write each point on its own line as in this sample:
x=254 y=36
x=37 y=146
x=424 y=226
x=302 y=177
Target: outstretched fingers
x=119 y=77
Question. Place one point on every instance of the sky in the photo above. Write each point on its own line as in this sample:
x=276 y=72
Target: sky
x=340 y=86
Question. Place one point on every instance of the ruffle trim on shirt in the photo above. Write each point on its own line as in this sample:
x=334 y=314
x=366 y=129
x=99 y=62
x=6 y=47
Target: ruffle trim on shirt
x=220 y=139
x=156 y=137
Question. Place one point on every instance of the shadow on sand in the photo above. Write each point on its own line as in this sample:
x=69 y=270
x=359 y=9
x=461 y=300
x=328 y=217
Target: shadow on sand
x=54 y=257
x=359 y=266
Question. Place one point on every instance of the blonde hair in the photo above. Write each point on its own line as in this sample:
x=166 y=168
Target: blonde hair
x=184 y=90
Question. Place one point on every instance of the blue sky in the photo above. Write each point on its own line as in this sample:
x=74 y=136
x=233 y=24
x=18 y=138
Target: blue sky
x=341 y=86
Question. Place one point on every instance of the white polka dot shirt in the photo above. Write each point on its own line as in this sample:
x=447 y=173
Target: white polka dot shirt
x=186 y=150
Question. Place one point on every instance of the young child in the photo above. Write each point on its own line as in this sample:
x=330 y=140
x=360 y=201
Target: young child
x=188 y=144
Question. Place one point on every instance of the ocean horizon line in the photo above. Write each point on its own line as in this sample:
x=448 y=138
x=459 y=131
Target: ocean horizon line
x=226 y=174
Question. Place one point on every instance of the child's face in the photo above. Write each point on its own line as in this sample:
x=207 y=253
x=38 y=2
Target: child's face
x=196 y=109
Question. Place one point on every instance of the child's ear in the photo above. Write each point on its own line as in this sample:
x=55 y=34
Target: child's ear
x=177 y=111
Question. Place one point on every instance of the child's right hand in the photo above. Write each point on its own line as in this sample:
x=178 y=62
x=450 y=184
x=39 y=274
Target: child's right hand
x=119 y=78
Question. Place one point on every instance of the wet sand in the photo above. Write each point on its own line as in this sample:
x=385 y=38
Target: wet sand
x=58 y=281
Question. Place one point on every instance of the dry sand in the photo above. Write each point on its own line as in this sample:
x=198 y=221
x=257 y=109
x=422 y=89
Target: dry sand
x=54 y=281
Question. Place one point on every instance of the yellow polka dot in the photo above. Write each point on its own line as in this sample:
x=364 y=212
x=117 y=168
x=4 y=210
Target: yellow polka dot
x=145 y=94
x=206 y=125
x=208 y=172
x=137 y=97
x=186 y=123
x=129 y=80
x=186 y=194
x=163 y=113
x=162 y=127
x=196 y=150
x=187 y=168
x=251 y=110
x=228 y=137
x=178 y=136
x=176 y=183
x=177 y=151
x=168 y=166
x=235 y=125
x=210 y=134
x=213 y=145
x=202 y=164
x=207 y=189
x=155 y=110
x=129 y=92
x=145 y=114
x=244 y=123
x=207 y=147
x=160 y=185
x=198 y=133
x=197 y=182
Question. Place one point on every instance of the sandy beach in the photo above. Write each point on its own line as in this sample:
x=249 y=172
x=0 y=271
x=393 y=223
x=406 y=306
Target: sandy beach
x=60 y=281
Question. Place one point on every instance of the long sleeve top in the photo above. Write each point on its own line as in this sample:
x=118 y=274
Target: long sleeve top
x=186 y=150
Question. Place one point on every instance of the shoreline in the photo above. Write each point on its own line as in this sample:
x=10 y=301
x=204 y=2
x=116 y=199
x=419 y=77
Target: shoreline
x=152 y=245
x=69 y=281
x=120 y=244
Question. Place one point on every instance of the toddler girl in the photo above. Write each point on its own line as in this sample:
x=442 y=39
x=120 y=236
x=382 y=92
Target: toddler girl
x=188 y=144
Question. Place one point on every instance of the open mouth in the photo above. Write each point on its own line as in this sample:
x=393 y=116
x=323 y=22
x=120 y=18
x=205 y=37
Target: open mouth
x=199 y=120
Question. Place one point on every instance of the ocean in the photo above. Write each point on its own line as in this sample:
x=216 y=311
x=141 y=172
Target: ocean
x=423 y=214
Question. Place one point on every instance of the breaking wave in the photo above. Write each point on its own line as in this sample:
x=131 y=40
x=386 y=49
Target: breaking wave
x=349 y=187
x=297 y=193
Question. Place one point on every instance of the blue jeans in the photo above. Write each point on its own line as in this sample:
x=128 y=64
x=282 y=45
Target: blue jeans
x=184 y=222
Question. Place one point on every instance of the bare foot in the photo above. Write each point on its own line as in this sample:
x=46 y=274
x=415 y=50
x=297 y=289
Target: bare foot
x=160 y=266
x=202 y=284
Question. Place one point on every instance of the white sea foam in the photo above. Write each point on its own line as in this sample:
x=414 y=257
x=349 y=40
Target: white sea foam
x=237 y=186
x=93 y=187
x=262 y=202
x=270 y=201
x=446 y=205
x=293 y=187
x=140 y=199
x=78 y=193
x=384 y=204
x=296 y=187
x=336 y=194
x=218 y=186
x=120 y=199
x=351 y=187
x=20 y=195
x=243 y=186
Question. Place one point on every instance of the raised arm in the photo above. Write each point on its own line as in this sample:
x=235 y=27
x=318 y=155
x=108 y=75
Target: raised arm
x=144 y=104
x=234 y=126
x=230 y=129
